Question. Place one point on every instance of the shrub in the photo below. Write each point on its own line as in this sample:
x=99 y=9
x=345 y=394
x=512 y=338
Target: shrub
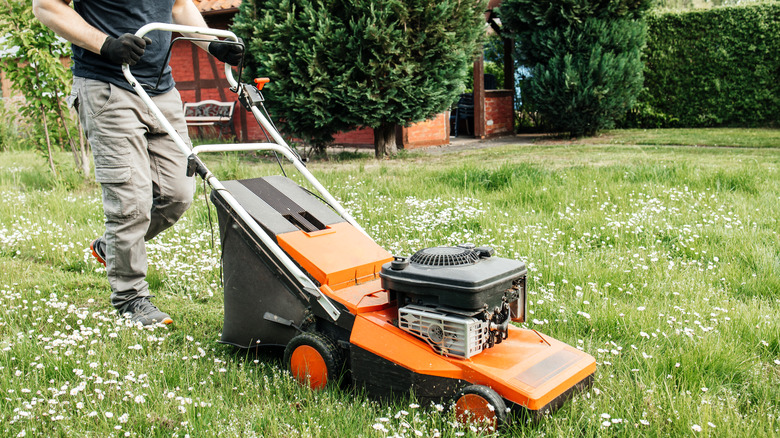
x=31 y=58
x=10 y=138
x=583 y=56
x=717 y=67
x=337 y=64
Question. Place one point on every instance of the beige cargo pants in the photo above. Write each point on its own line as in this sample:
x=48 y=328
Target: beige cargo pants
x=141 y=171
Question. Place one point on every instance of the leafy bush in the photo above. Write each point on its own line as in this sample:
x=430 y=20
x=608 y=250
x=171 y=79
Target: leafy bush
x=645 y=116
x=717 y=67
x=337 y=64
x=31 y=58
x=583 y=56
x=10 y=138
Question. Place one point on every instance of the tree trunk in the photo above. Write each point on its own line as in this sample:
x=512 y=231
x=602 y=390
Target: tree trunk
x=384 y=140
x=48 y=142
x=76 y=156
x=84 y=150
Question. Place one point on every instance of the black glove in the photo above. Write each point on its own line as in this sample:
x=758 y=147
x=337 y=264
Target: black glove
x=230 y=53
x=127 y=49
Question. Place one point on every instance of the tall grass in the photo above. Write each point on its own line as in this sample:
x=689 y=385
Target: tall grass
x=10 y=130
x=662 y=263
x=722 y=137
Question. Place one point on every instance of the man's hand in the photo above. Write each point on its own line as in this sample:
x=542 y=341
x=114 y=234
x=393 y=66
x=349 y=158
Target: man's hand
x=127 y=49
x=230 y=53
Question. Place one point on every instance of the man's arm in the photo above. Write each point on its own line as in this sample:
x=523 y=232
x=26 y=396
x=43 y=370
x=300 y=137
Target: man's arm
x=186 y=13
x=58 y=16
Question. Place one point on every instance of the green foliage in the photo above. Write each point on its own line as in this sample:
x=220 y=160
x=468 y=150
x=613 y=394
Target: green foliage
x=712 y=137
x=645 y=116
x=717 y=67
x=493 y=53
x=703 y=4
x=338 y=64
x=32 y=63
x=10 y=138
x=584 y=59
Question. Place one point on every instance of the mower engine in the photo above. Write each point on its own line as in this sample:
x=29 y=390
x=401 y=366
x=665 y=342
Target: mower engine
x=460 y=300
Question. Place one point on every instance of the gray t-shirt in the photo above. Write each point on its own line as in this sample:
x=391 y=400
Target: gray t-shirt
x=118 y=17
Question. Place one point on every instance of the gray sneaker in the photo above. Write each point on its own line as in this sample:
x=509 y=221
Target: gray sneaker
x=142 y=310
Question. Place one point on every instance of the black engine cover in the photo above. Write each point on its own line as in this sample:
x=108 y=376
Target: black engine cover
x=452 y=277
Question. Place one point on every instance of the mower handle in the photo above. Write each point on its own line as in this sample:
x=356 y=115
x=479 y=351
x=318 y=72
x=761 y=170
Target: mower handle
x=281 y=146
x=219 y=33
x=139 y=89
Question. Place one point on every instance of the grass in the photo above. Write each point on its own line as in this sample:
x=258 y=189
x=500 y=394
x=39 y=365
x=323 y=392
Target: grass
x=713 y=137
x=663 y=263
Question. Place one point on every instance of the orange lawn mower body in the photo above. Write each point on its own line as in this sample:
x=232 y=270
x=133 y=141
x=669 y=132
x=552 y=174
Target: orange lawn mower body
x=394 y=328
x=301 y=273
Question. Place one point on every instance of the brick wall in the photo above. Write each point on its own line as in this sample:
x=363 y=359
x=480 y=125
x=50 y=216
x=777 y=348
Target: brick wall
x=434 y=132
x=199 y=77
x=499 y=112
x=358 y=137
x=6 y=86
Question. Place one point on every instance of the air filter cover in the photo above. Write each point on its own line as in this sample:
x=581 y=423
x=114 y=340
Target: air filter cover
x=445 y=256
x=457 y=277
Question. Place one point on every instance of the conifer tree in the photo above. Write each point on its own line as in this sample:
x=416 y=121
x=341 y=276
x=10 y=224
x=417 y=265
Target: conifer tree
x=339 y=64
x=584 y=58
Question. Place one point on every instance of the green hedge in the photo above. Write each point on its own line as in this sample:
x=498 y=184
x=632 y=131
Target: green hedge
x=716 y=67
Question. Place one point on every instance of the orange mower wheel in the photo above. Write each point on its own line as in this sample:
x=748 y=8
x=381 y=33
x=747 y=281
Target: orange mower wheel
x=313 y=360
x=480 y=404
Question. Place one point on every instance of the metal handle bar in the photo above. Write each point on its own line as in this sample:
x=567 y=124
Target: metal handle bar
x=145 y=96
x=219 y=33
x=281 y=147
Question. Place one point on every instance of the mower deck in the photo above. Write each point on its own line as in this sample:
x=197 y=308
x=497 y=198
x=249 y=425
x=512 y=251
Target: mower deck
x=528 y=368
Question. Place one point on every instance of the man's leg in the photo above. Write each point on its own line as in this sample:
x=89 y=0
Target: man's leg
x=114 y=122
x=172 y=188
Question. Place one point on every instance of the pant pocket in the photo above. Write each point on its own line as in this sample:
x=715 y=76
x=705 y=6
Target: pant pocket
x=96 y=96
x=112 y=174
x=114 y=171
x=119 y=201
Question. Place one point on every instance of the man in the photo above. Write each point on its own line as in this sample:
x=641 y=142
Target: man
x=141 y=170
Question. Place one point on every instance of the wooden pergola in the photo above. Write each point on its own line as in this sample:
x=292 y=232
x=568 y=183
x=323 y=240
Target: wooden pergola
x=480 y=119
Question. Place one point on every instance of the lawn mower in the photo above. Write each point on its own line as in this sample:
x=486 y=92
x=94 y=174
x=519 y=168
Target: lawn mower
x=301 y=273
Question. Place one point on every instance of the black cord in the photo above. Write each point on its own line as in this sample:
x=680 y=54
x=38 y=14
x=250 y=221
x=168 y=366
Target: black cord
x=271 y=121
x=208 y=209
x=280 y=164
x=268 y=138
x=240 y=42
x=211 y=228
x=317 y=195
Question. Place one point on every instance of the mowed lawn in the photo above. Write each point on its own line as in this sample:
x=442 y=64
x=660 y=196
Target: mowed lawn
x=661 y=261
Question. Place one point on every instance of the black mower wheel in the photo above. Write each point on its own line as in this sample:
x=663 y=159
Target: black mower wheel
x=314 y=360
x=482 y=405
